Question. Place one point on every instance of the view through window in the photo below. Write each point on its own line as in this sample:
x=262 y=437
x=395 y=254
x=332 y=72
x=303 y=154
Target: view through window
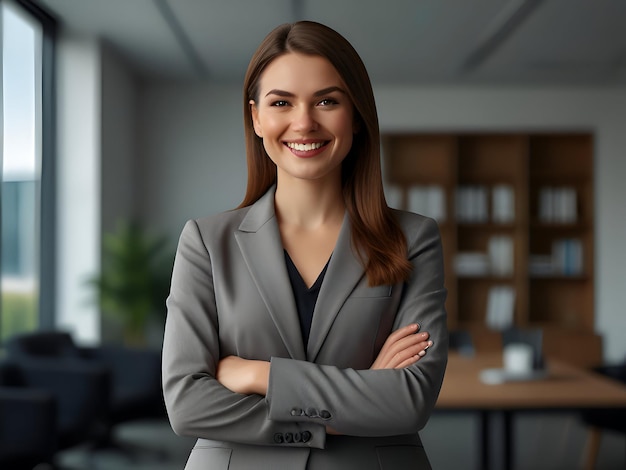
x=20 y=172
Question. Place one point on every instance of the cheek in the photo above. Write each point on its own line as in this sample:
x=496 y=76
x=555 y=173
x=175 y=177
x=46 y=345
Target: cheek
x=345 y=132
x=272 y=130
x=270 y=149
x=270 y=125
x=344 y=126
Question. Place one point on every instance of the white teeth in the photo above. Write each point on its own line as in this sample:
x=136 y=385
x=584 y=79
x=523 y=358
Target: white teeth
x=304 y=147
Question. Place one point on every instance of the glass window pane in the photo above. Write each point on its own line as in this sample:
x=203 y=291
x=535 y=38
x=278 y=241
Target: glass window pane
x=20 y=171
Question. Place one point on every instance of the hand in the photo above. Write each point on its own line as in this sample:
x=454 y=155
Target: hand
x=402 y=348
x=243 y=375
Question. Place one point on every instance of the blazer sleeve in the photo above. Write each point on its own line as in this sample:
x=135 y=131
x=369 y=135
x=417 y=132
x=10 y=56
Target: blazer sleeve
x=376 y=402
x=197 y=404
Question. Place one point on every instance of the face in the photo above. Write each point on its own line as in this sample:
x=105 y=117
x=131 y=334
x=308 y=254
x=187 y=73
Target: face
x=304 y=116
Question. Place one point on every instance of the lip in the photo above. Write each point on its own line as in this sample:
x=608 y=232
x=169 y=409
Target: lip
x=306 y=153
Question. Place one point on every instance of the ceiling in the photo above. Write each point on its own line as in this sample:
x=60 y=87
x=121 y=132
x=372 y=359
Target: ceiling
x=522 y=42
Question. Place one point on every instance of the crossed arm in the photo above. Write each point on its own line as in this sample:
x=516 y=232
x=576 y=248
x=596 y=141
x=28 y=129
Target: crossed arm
x=199 y=385
x=402 y=348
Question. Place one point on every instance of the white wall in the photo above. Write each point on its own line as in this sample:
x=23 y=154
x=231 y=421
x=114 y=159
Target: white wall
x=193 y=161
x=118 y=140
x=192 y=153
x=118 y=156
x=78 y=186
x=96 y=161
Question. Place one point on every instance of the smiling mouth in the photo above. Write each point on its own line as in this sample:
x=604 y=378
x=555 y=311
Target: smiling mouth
x=305 y=147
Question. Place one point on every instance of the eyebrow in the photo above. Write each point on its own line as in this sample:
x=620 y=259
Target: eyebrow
x=323 y=91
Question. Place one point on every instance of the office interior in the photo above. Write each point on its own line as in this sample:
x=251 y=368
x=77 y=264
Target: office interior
x=148 y=126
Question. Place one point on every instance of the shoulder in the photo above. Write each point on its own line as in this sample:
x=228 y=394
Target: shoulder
x=418 y=229
x=412 y=223
x=216 y=227
x=228 y=220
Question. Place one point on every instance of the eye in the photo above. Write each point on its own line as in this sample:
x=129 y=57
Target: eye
x=279 y=103
x=328 y=102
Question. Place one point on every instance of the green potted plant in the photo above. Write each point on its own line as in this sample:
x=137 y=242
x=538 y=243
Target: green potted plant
x=134 y=279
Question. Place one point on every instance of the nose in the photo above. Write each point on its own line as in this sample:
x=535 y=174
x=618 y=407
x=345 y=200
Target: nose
x=304 y=120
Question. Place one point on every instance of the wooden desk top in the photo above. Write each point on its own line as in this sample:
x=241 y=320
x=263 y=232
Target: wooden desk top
x=564 y=387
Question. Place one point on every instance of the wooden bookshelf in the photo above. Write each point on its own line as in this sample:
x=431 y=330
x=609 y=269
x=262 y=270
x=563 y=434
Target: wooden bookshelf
x=548 y=229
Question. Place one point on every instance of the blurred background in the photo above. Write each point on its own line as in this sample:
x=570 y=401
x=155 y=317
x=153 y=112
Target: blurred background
x=123 y=119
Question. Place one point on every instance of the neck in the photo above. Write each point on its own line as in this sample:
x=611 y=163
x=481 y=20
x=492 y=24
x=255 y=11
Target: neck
x=309 y=204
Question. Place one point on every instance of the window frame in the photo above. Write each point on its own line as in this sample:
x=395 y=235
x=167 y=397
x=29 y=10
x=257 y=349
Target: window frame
x=47 y=194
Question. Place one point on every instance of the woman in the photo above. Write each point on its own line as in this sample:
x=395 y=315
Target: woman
x=292 y=335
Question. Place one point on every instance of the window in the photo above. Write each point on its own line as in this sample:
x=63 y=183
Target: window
x=23 y=227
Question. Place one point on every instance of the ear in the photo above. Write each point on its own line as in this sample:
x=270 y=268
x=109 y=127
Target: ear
x=254 y=111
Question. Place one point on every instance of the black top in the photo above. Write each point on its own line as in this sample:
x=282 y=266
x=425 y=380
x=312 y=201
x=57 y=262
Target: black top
x=305 y=297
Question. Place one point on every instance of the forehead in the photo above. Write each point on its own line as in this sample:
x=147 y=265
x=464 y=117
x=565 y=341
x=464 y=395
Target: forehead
x=299 y=73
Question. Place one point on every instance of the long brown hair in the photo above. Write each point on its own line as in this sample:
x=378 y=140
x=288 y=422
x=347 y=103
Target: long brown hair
x=376 y=235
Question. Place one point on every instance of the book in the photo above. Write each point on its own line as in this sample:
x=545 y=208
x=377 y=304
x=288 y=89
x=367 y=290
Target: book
x=471 y=263
x=500 y=307
x=558 y=205
x=428 y=200
x=503 y=204
x=567 y=256
x=471 y=204
x=500 y=251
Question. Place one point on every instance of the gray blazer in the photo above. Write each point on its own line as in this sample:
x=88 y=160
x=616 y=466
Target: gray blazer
x=231 y=295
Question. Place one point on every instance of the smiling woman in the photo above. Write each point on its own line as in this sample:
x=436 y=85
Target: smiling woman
x=303 y=111
x=298 y=323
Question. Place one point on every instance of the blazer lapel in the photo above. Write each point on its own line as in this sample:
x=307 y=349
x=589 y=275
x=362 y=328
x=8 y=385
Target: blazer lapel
x=343 y=273
x=260 y=244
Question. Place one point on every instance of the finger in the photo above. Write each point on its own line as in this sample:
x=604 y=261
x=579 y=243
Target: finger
x=402 y=332
x=398 y=353
x=409 y=362
x=403 y=344
x=387 y=350
x=396 y=343
x=406 y=330
x=393 y=344
x=418 y=349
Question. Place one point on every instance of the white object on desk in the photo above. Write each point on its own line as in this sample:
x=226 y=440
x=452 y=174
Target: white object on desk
x=499 y=376
x=518 y=358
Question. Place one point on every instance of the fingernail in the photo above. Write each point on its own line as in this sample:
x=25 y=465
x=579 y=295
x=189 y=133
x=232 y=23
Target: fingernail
x=422 y=352
x=424 y=335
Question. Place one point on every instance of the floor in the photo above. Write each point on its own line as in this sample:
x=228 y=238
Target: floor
x=554 y=441
x=543 y=442
x=158 y=448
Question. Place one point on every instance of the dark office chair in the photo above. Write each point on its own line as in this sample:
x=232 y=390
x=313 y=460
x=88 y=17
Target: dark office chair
x=600 y=419
x=27 y=425
x=461 y=341
x=530 y=336
x=135 y=392
x=79 y=395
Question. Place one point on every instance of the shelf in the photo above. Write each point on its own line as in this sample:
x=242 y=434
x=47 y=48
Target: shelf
x=577 y=226
x=551 y=169
x=491 y=226
x=560 y=277
x=491 y=278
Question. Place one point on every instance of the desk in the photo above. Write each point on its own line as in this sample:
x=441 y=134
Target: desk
x=566 y=388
